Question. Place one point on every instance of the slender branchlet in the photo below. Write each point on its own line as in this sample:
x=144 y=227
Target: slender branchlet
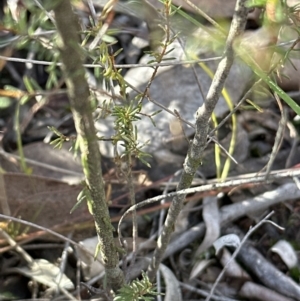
x=194 y=157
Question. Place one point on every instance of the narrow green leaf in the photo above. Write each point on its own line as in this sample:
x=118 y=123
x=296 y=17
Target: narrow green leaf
x=257 y=107
x=279 y=91
x=78 y=203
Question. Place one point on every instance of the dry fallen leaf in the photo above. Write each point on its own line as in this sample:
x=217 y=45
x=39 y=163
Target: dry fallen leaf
x=286 y=252
x=173 y=291
x=46 y=273
x=211 y=218
x=230 y=240
x=46 y=202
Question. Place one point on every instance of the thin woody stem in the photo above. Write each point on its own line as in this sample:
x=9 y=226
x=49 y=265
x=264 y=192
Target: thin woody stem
x=198 y=145
x=78 y=91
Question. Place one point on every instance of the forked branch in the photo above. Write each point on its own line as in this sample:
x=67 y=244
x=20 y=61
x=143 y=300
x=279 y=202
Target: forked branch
x=194 y=156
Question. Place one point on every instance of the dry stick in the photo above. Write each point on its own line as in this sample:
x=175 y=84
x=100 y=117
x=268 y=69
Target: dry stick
x=294 y=135
x=181 y=43
x=163 y=51
x=253 y=178
x=9 y=156
x=230 y=213
x=196 y=78
x=204 y=293
x=196 y=150
x=30 y=224
x=124 y=66
x=45 y=11
x=235 y=108
x=159 y=104
x=252 y=230
x=92 y=10
x=267 y=273
x=205 y=16
x=251 y=290
x=279 y=136
x=214 y=139
x=30 y=260
x=66 y=239
x=175 y=114
x=17 y=247
x=63 y=262
x=79 y=94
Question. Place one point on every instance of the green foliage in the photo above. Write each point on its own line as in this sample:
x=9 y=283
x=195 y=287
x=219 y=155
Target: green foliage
x=137 y=290
x=256 y=3
x=13 y=229
x=127 y=132
x=275 y=13
x=54 y=73
x=58 y=142
x=126 y=113
x=275 y=88
x=31 y=21
x=83 y=196
x=275 y=10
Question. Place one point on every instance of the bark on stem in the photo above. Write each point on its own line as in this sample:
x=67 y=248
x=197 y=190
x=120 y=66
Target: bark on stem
x=78 y=90
x=194 y=156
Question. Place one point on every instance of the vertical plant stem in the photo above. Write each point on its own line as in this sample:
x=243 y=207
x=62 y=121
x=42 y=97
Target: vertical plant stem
x=78 y=91
x=194 y=156
x=18 y=130
x=159 y=59
x=131 y=193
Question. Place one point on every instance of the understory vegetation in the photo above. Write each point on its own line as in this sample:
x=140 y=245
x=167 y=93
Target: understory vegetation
x=149 y=151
